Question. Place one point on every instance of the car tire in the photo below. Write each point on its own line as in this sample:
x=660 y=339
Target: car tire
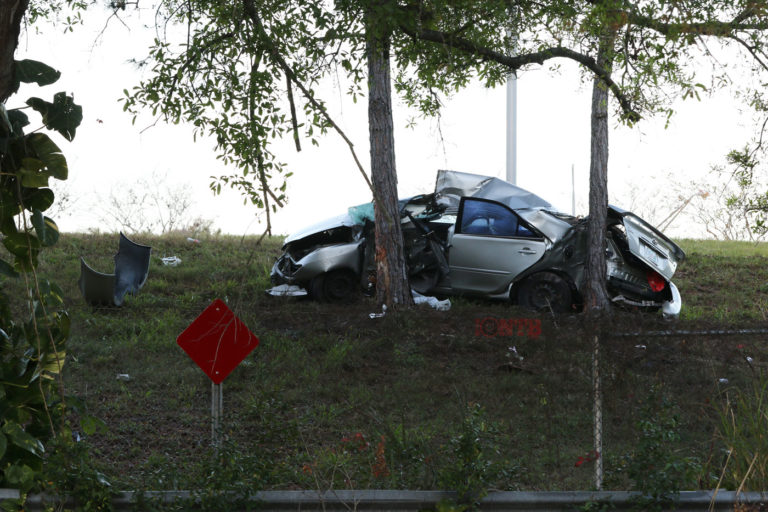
x=334 y=286
x=545 y=291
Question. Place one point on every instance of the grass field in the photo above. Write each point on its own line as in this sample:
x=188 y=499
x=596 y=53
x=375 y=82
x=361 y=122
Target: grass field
x=334 y=399
x=724 y=282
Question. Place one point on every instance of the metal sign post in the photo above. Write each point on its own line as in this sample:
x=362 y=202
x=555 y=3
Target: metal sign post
x=597 y=395
x=217 y=408
x=217 y=341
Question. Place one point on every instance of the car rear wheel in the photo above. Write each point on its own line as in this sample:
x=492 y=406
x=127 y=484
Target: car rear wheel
x=334 y=286
x=545 y=291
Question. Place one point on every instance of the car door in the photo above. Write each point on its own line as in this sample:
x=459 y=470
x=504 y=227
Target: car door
x=490 y=246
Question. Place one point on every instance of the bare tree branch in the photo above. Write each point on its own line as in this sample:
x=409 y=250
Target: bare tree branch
x=707 y=28
x=750 y=49
x=253 y=14
x=518 y=61
x=294 y=122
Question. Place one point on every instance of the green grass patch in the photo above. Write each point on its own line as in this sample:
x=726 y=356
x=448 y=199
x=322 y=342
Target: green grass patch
x=332 y=398
x=724 y=281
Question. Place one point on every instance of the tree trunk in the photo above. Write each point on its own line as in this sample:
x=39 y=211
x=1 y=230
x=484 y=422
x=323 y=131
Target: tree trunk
x=595 y=294
x=11 y=14
x=392 y=286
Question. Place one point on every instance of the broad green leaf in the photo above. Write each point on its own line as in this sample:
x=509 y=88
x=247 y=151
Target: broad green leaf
x=23 y=440
x=6 y=128
x=47 y=230
x=6 y=269
x=21 y=244
x=18 y=120
x=19 y=475
x=32 y=164
x=49 y=366
x=7 y=224
x=64 y=326
x=3 y=445
x=37 y=198
x=32 y=173
x=9 y=207
x=26 y=247
x=29 y=71
x=51 y=232
x=26 y=263
x=38 y=222
x=63 y=115
x=50 y=154
x=51 y=293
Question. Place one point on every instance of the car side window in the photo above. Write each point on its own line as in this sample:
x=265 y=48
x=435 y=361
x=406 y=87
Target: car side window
x=480 y=217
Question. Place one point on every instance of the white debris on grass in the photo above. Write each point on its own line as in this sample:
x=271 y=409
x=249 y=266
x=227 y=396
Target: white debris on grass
x=379 y=315
x=287 y=290
x=171 y=261
x=440 y=305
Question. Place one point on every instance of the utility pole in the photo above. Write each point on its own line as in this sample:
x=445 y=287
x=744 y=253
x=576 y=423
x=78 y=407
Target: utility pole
x=573 y=191
x=512 y=104
x=512 y=128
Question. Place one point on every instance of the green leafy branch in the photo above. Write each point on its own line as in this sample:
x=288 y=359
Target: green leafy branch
x=32 y=350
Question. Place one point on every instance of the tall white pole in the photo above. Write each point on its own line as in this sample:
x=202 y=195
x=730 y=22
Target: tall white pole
x=573 y=192
x=512 y=128
x=512 y=106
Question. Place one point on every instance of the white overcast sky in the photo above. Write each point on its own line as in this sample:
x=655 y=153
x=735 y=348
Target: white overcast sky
x=110 y=155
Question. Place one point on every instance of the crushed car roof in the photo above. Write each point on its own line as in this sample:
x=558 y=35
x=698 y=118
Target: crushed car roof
x=451 y=186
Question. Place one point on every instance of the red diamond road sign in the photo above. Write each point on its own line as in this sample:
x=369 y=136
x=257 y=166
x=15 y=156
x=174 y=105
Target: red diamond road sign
x=217 y=341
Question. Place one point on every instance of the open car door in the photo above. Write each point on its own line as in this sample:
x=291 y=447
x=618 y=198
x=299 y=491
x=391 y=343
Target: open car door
x=490 y=246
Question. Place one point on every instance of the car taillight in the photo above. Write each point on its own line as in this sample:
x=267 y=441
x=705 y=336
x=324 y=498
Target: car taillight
x=655 y=281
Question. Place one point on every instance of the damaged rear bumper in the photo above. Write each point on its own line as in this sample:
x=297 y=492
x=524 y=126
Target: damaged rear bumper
x=670 y=308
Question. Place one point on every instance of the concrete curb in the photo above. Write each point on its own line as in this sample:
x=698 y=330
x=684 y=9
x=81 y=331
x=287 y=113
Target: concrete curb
x=412 y=501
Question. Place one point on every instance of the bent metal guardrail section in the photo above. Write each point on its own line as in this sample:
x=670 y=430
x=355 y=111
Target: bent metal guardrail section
x=407 y=501
x=131 y=270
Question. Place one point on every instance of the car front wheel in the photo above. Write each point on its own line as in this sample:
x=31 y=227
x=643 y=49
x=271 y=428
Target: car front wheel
x=334 y=286
x=545 y=291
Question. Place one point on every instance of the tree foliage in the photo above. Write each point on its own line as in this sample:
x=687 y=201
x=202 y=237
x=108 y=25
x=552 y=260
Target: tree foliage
x=32 y=351
x=750 y=194
x=231 y=69
x=232 y=73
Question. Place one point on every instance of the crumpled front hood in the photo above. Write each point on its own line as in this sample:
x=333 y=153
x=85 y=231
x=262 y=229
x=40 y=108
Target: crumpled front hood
x=343 y=220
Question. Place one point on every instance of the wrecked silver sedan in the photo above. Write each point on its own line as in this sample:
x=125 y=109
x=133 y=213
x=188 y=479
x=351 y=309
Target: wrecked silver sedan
x=481 y=236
